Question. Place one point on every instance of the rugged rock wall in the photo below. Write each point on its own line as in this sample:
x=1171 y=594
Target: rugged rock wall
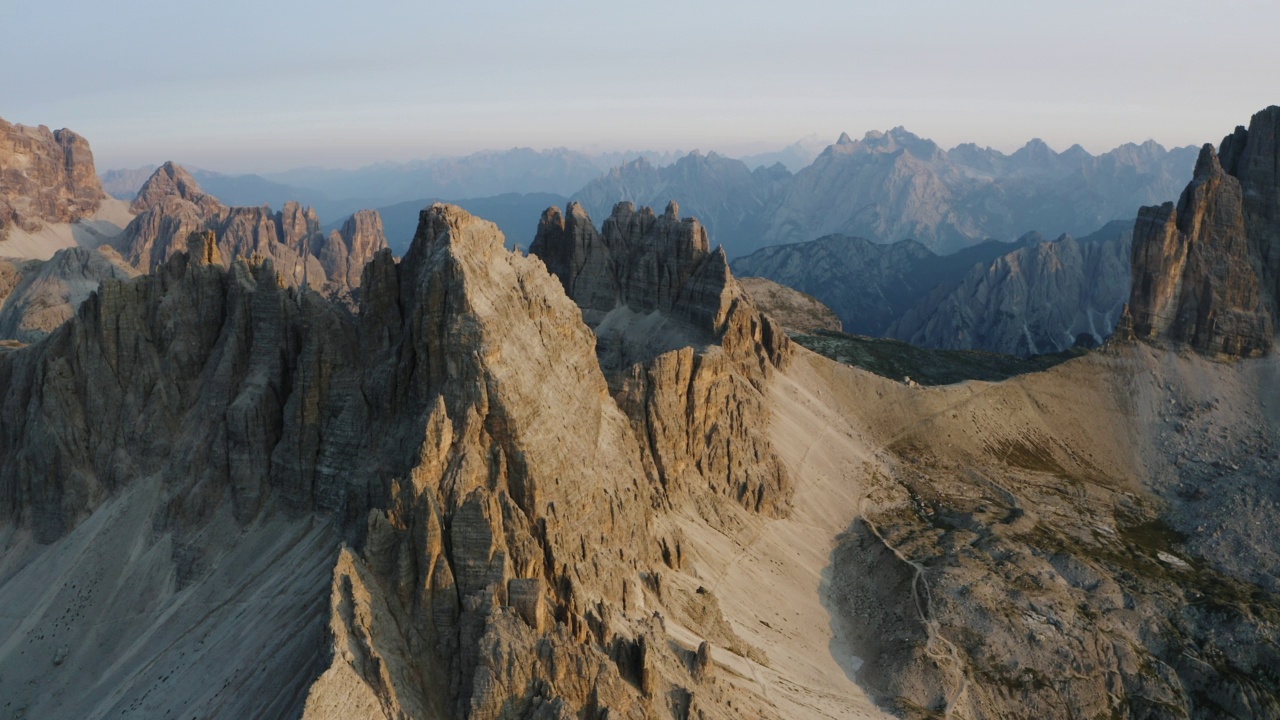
x=45 y=177
x=171 y=206
x=173 y=181
x=1205 y=271
x=685 y=349
x=344 y=252
x=458 y=432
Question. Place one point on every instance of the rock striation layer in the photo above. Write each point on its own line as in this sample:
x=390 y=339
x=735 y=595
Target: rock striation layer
x=1205 y=271
x=343 y=253
x=45 y=177
x=171 y=206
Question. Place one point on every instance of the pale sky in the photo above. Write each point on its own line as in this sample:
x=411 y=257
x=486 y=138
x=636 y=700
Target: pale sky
x=262 y=85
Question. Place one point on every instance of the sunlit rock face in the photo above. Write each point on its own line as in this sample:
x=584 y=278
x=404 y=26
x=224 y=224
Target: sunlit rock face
x=1205 y=270
x=45 y=177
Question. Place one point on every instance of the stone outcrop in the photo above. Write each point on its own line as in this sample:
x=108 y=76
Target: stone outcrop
x=639 y=271
x=45 y=177
x=1205 y=271
x=10 y=276
x=686 y=351
x=457 y=432
x=171 y=206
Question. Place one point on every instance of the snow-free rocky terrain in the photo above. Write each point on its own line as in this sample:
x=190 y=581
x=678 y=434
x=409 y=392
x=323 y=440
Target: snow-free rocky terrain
x=597 y=482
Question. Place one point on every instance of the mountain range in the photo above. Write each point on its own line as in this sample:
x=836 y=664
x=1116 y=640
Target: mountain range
x=894 y=186
x=886 y=187
x=1023 y=298
x=597 y=481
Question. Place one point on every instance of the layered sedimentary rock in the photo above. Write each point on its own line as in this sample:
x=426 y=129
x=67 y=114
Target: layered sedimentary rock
x=1205 y=271
x=457 y=432
x=45 y=177
x=686 y=351
x=171 y=206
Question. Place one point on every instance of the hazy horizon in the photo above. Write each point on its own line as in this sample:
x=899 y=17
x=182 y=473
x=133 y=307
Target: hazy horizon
x=241 y=88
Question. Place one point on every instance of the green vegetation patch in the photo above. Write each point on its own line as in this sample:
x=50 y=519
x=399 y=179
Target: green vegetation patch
x=898 y=360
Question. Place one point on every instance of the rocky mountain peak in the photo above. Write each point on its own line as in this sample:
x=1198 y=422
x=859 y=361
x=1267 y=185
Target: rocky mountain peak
x=45 y=177
x=1035 y=151
x=1205 y=270
x=172 y=180
x=844 y=139
x=173 y=208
